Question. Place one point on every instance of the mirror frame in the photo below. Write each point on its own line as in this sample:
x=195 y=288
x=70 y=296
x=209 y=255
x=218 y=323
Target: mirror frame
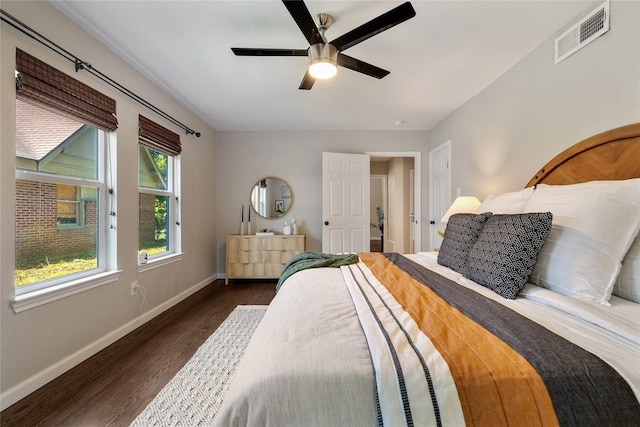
x=282 y=197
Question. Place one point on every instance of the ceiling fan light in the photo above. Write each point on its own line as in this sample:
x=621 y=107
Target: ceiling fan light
x=322 y=60
x=323 y=70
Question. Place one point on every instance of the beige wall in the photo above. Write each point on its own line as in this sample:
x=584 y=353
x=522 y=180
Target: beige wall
x=244 y=157
x=537 y=109
x=38 y=344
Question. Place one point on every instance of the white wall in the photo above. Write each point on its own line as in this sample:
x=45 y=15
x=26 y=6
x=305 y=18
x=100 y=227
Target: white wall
x=40 y=343
x=244 y=157
x=501 y=137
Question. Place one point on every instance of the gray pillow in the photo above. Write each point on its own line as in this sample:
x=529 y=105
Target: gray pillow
x=461 y=232
x=505 y=252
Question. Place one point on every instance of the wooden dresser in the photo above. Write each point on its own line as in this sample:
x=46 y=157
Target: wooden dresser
x=260 y=257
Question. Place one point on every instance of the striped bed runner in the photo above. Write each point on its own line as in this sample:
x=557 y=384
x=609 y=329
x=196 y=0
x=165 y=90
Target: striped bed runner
x=478 y=362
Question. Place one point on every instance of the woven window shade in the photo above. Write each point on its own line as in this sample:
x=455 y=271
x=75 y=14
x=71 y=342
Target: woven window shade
x=158 y=138
x=44 y=85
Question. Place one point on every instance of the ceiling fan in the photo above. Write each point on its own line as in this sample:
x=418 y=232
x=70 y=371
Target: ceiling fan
x=324 y=55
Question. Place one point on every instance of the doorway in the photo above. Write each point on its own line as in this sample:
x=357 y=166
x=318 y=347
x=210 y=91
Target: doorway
x=399 y=173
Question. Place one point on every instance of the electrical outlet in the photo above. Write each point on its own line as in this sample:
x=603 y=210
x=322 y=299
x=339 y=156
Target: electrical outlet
x=134 y=288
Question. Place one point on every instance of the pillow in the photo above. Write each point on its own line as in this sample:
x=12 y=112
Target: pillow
x=594 y=224
x=462 y=230
x=506 y=250
x=506 y=203
x=628 y=284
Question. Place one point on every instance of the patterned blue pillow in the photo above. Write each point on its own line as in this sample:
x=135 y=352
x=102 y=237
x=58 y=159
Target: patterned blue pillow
x=503 y=256
x=461 y=232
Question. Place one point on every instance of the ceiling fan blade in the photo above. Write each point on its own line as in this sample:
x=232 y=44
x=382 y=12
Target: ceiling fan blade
x=375 y=26
x=361 y=66
x=303 y=18
x=307 y=81
x=241 y=51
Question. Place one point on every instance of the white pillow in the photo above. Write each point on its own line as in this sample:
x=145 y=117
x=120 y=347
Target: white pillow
x=506 y=203
x=594 y=224
x=628 y=284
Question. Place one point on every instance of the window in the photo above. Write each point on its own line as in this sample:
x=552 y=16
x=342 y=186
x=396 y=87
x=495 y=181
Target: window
x=60 y=190
x=65 y=237
x=70 y=211
x=158 y=187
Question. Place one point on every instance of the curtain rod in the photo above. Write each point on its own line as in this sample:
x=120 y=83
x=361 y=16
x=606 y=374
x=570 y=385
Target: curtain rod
x=82 y=65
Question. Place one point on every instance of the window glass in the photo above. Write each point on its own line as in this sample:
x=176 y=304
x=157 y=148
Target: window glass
x=157 y=202
x=54 y=144
x=152 y=168
x=57 y=215
x=153 y=223
x=44 y=249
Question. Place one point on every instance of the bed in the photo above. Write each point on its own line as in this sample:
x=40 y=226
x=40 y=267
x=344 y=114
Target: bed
x=479 y=333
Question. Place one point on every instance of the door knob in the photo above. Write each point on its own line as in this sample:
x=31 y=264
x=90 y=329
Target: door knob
x=326 y=223
x=432 y=222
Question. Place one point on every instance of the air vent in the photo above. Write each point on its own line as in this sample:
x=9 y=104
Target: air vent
x=584 y=32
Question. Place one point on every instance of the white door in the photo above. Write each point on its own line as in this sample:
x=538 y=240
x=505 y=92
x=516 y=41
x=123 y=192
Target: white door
x=439 y=190
x=345 y=203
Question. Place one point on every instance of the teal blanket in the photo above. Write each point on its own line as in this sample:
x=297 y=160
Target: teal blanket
x=313 y=260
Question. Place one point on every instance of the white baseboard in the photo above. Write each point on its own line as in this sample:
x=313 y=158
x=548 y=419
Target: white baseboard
x=33 y=383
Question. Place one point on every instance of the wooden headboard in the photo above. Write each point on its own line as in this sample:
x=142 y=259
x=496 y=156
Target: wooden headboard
x=614 y=154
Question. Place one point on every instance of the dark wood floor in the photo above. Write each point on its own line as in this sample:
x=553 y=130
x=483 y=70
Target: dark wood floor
x=114 y=386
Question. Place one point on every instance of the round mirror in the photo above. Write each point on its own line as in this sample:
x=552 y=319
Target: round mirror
x=271 y=197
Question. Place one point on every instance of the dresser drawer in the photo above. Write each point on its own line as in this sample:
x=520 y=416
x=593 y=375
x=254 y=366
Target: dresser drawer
x=260 y=257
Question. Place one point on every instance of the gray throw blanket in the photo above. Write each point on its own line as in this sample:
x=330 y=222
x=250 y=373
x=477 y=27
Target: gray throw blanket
x=312 y=260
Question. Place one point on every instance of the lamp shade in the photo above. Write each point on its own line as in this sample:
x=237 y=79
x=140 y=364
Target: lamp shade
x=462 y=204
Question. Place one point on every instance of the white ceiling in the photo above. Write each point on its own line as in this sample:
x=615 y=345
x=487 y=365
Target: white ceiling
x=438 y=60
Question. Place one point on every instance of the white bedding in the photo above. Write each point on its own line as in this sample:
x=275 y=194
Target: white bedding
x=611 y=332
x=288 y=378
x=311 y=313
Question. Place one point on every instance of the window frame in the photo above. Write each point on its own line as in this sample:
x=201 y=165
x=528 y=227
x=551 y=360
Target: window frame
x=40 y=293
x=174 y=246
x=47 y=87
x=100 y=185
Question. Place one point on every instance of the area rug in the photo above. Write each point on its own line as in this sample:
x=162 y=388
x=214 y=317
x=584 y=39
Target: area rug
x=193 y=397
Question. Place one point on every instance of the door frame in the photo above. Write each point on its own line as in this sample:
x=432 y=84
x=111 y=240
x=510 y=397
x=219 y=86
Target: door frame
x=417 y=166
